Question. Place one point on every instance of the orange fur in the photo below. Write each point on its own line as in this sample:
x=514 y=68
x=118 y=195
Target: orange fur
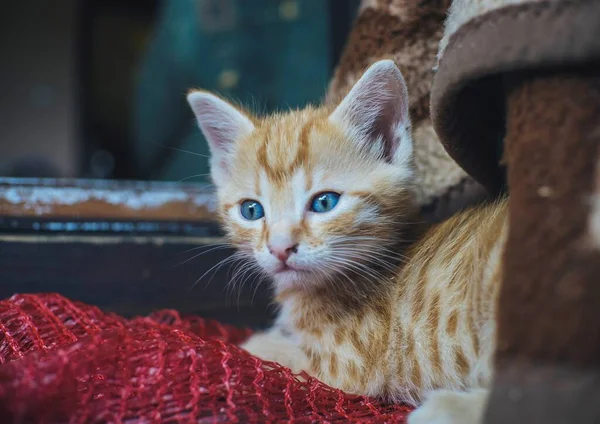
x=394 y=309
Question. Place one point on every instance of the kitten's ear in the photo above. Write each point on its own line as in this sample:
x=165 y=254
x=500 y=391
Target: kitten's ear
x=375 y=113
x=222 y=125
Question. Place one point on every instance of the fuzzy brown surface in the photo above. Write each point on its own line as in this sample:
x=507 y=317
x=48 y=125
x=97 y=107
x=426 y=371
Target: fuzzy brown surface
x=549 y=316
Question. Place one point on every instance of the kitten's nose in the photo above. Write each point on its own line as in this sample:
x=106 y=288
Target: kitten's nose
x=283 y=251
x=282 y=241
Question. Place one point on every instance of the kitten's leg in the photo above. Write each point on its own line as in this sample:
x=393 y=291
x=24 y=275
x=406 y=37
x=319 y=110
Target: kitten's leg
x=277 y=346
x=448 y=407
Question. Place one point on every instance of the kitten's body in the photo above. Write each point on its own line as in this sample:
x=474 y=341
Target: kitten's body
x=371 y=303
x=430 y=326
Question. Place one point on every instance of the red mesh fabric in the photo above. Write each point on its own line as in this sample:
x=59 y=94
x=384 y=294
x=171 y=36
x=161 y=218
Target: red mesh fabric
x=64 y=361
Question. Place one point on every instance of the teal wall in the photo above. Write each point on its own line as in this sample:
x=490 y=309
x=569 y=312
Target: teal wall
x=268 y=54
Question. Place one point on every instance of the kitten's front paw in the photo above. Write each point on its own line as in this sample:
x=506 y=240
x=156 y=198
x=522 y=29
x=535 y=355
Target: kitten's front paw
x=448 y=407
x=274 y=346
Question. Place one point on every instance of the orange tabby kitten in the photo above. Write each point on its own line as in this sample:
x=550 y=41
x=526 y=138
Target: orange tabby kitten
x=322 y=201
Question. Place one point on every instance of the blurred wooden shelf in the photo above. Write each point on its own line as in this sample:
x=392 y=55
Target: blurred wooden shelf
x=127 y=247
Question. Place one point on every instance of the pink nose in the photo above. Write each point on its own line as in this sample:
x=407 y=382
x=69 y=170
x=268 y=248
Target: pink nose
x=283 y=252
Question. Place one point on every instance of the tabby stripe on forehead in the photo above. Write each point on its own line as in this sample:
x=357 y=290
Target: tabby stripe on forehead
x=302 y=152
x=261 y=158
x=277 y=174
x=257 y=188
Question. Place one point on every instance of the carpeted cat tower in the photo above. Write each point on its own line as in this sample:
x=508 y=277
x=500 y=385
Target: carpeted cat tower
x=516 y=80
x=516 y=102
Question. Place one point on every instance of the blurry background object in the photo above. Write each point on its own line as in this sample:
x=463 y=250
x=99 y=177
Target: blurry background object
x=31 y=166
x=96 y=88
x=39 y=80
x=266 y=54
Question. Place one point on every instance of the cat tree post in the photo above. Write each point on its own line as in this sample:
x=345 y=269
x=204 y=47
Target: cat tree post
x=548 y=354
x=518 y=84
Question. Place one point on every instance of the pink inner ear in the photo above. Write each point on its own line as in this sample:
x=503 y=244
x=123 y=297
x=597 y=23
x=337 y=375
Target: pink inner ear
x=378 y=107
x=216 y=137
x=221 y=123
x=213 y=123
x=386 y=127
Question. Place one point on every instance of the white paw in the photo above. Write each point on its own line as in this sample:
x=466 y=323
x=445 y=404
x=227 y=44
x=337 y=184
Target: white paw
x=448 y=407
x=273 y=346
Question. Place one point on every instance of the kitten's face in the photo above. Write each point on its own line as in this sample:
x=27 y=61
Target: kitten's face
x=309 y=196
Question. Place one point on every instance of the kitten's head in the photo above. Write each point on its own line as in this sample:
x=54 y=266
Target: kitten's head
x=316 y=195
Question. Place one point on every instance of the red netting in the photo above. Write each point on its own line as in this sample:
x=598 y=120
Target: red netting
x=64 y=361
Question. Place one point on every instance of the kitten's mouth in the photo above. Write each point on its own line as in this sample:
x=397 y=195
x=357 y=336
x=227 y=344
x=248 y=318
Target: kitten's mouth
x=284 y=267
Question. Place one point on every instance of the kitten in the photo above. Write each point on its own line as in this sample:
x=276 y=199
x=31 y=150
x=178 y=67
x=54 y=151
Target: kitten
x=322 y=200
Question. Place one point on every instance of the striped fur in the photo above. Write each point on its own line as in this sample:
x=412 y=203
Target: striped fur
x=431 y=327
x=376 y=303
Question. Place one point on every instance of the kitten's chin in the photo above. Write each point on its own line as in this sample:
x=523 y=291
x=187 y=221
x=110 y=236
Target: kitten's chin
x=291 y=278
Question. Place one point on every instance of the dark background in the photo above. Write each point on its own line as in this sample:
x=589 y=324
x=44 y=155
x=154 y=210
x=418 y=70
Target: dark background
x=96 y=88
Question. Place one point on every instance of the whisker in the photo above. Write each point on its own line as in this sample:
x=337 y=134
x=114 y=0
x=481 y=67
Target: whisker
x=218 y=264
x=261 y=279
x=232 y=283
x=258 y=276
x=239 y=271
x=248 y=274
x=177 y=149
x=368 y=260
x=379 y=244
x=367 y=273
x=237 y=258
x=355 y=269
x=193 y=176
x=223 y=243
x=372 y=252
x=338 y=271
x=201 y=253
x=379 y=250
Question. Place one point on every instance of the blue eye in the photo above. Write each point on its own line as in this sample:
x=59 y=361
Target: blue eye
x=324 y=202
x=252 y=210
